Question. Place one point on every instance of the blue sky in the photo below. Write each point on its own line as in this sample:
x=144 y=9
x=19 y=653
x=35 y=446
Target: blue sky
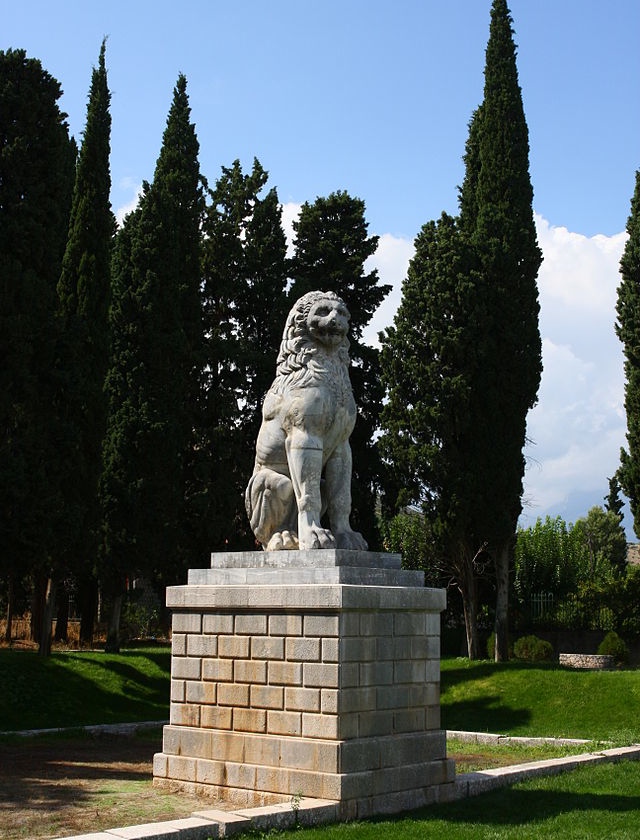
x=374 y=97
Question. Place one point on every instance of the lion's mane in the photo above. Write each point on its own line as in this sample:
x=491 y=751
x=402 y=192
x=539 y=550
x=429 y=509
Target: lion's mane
x=300 y=360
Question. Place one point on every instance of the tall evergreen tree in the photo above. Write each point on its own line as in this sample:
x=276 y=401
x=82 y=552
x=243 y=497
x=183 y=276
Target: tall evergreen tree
x=332 y=245
x=83 y=356
x=245 y=304
x=497 y=216
x=472 y=291
x=628 y=331
x=429 y=364
x=154 y=378
x=37 y=161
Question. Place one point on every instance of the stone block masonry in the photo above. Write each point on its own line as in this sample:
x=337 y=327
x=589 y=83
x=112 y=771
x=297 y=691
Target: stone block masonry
x=283 y=687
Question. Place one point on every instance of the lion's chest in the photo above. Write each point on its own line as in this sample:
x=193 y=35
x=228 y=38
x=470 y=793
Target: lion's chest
x=323 y=407
x=327 y=411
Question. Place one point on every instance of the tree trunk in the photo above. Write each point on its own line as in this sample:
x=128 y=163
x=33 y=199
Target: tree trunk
x=87 y=604
x=464 y=570
x=38 y=598
x=47 y=623
x=502 y=557
x=62 y=614
x=471 y=625
x=10 y=598
x=468 y=588
x=112 y=644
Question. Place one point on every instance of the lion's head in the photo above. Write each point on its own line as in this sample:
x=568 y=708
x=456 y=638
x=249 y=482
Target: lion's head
x=317 y=323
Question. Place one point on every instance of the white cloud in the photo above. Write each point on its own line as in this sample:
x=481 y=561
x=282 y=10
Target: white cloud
x=290 y=213
x=392 y=260
x=130 y=206
x=579 y=424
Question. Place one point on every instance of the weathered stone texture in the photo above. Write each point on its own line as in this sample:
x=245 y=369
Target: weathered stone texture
x=331 y=691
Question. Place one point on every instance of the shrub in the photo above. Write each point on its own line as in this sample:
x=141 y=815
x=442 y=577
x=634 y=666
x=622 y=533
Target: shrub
x=533 y=649
x=613 y=645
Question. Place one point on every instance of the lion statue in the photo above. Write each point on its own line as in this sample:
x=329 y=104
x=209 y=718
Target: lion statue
x=303 y=458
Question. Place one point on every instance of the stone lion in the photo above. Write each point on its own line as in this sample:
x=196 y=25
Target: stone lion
x=303 y=458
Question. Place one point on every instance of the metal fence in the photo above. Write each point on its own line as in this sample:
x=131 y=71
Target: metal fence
x=545 y=610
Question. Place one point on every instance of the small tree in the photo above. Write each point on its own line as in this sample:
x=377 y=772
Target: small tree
x=605 y=546
x=547 y=559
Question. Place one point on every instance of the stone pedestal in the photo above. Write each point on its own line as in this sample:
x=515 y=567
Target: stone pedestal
x=306 y=673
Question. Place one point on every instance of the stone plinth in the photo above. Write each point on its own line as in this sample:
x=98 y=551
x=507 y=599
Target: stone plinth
x=307 y=673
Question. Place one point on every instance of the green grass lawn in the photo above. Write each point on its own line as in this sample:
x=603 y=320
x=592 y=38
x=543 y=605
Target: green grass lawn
x=515 y=698
x=72 y=689
x=599 y=802
x=78 y=688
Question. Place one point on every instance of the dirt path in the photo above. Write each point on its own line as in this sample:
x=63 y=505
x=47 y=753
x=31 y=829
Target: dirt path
x=55 y=787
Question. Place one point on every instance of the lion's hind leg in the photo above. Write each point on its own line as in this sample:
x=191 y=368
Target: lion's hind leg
x=271 y=507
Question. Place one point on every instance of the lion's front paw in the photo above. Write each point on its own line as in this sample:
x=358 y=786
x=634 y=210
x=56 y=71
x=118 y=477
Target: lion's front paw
x=351 y=540
x=317 y=537
x=283 y=541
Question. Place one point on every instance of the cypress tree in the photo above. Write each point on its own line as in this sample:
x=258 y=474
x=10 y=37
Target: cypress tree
x=83 y=292
x=245 y=275
x=497 y=216
x=332 y=245
x=429 y=367
x=471 y=291
x=628 y=331
x=37 y=160
x=153 y=382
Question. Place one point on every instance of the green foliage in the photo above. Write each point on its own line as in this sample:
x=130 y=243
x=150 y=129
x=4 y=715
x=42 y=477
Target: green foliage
x=623 y=597
x=154 y=379
x=83 y=349
x=428 y=365
x=408 y=534
x=613 y=502
x=533 y=649
x=463 y=360
x=140 y=620
x=628 y=331
x=582 y=570
x=547 y=559
x=245 y=306
x=613 y=645
x=502 y=232
x=604 y=545
x=37 y=160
